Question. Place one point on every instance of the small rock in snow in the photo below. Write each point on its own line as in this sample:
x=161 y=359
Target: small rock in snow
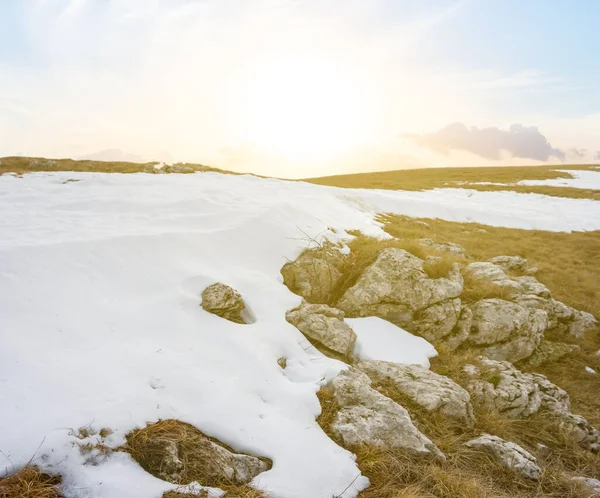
x=156 y=383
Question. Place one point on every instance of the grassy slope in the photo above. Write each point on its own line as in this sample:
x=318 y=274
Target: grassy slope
x=22 y=165
x=422 y=179
x=569 y=264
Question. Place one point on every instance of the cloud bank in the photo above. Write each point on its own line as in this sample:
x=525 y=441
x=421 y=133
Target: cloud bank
x=491 y=143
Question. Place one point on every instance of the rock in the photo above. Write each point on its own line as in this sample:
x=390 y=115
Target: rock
x=179 y=453
x=493 y=275
x=437 y=321
x=531 y=285
x=561 y=317
x=313 y=275
x=323 y=324
x=447 y=247
x=580 y=430
x=582 y=323
x=550 y=351
x=499 y=386
x=433 y=392
x=510 y=263
x=395 y=286
x=589 y=485
x=368 y=417
x=460 y=332
x=223 y=301
x=510 y=455
x=512 y=331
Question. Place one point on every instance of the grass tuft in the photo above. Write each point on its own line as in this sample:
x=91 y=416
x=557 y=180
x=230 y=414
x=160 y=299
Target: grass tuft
x=30 y=482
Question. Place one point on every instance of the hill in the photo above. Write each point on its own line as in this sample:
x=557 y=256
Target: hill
x=200 y=334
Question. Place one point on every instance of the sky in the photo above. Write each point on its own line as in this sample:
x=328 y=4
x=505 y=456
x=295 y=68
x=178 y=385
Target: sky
x=300 y=88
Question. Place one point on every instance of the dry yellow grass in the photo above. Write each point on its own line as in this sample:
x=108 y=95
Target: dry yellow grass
x=429 y=178
x=29 y=482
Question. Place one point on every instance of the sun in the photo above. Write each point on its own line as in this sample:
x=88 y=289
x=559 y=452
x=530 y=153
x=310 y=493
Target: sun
x=305 y=109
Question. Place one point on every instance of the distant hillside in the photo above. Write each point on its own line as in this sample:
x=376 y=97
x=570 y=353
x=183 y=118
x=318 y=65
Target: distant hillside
x=21 y=165
x=494 y=178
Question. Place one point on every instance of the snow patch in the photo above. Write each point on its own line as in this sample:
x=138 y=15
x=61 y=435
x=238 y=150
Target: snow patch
x=581 y=179
x=378 y=339
x=100 y=288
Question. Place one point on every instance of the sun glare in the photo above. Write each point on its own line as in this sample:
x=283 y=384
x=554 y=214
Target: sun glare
x=305 y=110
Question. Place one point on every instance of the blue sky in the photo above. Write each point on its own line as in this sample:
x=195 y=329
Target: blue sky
x=302 y=87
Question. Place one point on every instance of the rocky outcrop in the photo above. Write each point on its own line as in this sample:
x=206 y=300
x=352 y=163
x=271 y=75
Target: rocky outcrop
x=179 y=453
x=510 y=455
x=313 y=275
x=325 y=325
x=368 y=417
x=434 y=393
x=396 y=287
x=510 y=331
x=223 y=301
x=510 y=263
x=499 y=386
x=561 y=318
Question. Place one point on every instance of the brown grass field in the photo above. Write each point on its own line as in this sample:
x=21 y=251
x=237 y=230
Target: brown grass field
x=429 y=178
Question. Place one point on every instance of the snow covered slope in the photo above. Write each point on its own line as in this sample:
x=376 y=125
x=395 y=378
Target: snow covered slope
x=100 y=283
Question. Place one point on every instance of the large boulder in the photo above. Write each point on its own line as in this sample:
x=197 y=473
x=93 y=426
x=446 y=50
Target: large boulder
x=367 y=417
x=433 y=392
x=323 y=324
x=396 y=286
x=508 y=454
x=313 y=275
x=510 y=331
x=223 y=301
